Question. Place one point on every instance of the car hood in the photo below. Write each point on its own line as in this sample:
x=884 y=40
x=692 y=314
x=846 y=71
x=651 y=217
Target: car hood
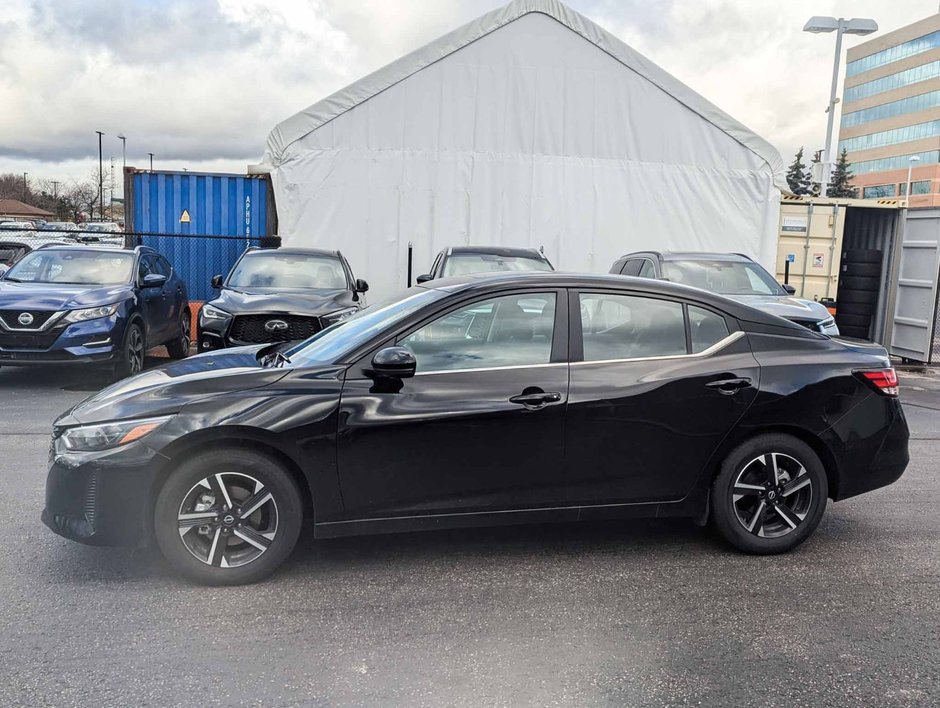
x=293 y=302
x=791 y=308
x=48 y=296
x=165 y=390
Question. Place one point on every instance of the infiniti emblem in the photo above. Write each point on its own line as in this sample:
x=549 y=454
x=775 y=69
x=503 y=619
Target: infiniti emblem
x=25 y=319
x=275 y=326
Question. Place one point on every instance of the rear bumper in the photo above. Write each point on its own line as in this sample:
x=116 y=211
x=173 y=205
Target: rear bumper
x=101 y=499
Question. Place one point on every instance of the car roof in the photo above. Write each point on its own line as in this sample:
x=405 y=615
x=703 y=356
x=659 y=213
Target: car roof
x=691 y=256
x=96 y=247
x=482 y=282
x=296 y=251
x=497 y=251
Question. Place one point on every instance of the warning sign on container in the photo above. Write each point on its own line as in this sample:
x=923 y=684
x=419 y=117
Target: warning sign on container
x=818 y=260
x=184 y=217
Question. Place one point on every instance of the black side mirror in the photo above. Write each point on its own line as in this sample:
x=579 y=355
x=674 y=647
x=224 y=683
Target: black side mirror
x=424 y=278
x=394 y=363
x=361 y=286
x=216 y=281
x=789 y=288
x=154 y=280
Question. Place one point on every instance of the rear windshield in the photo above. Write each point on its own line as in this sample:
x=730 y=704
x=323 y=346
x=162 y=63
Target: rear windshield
x=464 y=263
x=289 y=270
x=78 y=267
x=723 y=277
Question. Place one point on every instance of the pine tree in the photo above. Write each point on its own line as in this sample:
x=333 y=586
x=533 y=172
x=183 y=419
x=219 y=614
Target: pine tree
x=840 y=184
x=796 y=175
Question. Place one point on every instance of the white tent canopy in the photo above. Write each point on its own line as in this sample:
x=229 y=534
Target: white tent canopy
x=530 y=126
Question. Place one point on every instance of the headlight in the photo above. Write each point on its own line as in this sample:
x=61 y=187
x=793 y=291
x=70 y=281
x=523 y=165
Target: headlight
x=91 y=313
x=92 y=438
x=208 y=312
x=339 y=316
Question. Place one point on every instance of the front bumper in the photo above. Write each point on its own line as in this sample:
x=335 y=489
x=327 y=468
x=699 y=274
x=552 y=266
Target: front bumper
x=101 y=498
x=91 y=342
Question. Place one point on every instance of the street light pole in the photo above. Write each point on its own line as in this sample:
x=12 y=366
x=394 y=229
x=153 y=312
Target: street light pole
x=910 y=166
x=151 y=161
x=55 y=197
x=25 y=186
x=100 y=180
x=840 y=26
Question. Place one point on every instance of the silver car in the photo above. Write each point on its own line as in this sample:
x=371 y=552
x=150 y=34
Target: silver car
x=733 y=275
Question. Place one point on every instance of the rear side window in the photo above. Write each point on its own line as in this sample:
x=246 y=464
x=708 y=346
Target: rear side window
x=647 y=270
x=706 y=328
x=630 y=327
x=631 y=267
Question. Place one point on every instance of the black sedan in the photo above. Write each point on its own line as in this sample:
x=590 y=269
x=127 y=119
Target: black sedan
x=279 y=295
x=482 y=400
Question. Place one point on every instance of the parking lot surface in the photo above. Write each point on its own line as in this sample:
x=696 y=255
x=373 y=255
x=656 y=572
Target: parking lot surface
x=625 y=613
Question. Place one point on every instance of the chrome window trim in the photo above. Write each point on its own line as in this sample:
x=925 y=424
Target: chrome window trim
x=46 y=325
x=717 y=346
x=491 y=368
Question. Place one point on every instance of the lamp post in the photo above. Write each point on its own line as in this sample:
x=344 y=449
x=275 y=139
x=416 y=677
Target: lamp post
x=151 y=161
x=25 y=186
x=55 y=197
x=840 y=26
x=910 y=166
x=100 y=180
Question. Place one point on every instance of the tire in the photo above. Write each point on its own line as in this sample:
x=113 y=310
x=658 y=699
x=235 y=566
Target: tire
x=770 y=531
x=866 y=270
x=860 y=282
x=252 y=548
x=178 y=348
x=862 y=255
x=855 y=308
x=133 y=352
x=861 y=297
x=844 y=320
x=853 y=332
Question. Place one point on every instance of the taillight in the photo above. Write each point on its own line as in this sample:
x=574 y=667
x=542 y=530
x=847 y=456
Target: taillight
x=885 y=381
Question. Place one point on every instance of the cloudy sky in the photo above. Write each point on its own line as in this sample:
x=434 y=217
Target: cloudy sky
x=200 y=83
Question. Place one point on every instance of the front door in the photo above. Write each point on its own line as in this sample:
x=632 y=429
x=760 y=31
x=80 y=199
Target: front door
x=480 y=427
x=656 y=385
x=158 y=323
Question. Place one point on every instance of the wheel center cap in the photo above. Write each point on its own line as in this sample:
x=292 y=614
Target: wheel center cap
x=771 y=495
x=228 y=519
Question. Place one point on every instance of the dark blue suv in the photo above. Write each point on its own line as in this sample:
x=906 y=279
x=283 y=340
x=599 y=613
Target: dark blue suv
x=91 y=304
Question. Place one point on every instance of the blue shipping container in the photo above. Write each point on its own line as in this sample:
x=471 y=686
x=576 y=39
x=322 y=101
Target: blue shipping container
x=201 y=222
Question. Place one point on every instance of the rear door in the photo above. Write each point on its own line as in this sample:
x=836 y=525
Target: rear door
x=915 y=307
x=655 y=386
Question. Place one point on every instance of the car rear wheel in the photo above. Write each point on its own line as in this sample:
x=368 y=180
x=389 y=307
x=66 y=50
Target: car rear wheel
x=770 y=494
x=179 y=348
x=228 y=517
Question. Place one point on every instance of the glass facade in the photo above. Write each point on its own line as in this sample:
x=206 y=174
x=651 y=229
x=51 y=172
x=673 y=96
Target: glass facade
x=879 y=191
x=892 y=81
x=931 y=157
x=918 y=131
x=921 y=102
x=918 y=187
x=901 y=51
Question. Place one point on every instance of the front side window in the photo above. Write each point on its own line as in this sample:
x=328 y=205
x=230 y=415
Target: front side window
x=78 y=267
x=724 y=277
x=288 y=270
x=631 y=267
x=630 y=327
x=647 y=270
x=465 y=263
x=514 y=330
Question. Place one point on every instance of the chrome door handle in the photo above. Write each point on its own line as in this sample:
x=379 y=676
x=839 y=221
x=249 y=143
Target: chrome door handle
x=535 y=400
x=729 y=387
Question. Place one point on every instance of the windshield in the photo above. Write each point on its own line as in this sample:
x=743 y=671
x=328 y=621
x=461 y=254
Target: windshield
x=723 y=277
x=329 y=345
x=73 y=267
x=464 y=263
x=288 y=270
x=60 y=226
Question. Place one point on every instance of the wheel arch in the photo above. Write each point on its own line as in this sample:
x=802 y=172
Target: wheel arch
x=229 y=438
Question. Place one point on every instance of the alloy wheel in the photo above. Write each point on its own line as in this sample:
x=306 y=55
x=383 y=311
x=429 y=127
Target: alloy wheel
x=135 y=351
x=228 y=519
x=184 y=332
x=772 y=495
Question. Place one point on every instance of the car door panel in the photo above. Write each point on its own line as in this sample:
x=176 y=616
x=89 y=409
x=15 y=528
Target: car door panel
x=642 y=429
x=457 y=440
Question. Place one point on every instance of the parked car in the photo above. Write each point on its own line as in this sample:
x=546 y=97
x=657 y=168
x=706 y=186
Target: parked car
x=462 y=260
x=481 y=400
x=105 y=227
x=733 y=275
x=12 y=251
x=279 y=295
x=84 y=304
x=17 y=226
x=60 y=226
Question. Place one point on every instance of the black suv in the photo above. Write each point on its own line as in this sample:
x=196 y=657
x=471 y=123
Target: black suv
x=463 y=260
x=279 y=295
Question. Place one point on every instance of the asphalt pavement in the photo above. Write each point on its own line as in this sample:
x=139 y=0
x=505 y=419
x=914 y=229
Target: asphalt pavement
x=620 y=613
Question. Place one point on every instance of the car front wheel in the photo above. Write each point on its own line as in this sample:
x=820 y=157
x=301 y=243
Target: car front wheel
x=178 y=348
x=770 y=494
x=228 y=517
x=133 y=351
